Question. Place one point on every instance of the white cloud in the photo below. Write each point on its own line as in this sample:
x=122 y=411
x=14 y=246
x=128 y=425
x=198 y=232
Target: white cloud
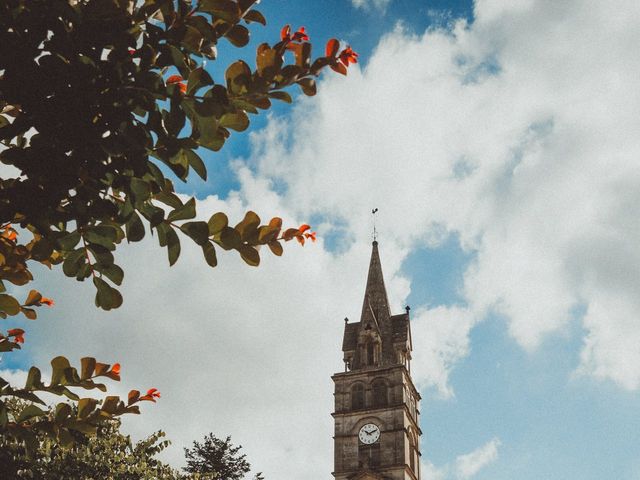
x=519 y=134
x=430 y=472
x=380 y=5
x=16 y=378
x=442 y=339
x=465 y=466
x=468 y=465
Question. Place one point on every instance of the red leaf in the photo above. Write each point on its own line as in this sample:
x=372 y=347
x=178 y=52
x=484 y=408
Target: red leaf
x=284 y=33
x=174 y=79
x=332 y=48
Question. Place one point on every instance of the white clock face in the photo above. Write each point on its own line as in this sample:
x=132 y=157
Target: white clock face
x=369 y=433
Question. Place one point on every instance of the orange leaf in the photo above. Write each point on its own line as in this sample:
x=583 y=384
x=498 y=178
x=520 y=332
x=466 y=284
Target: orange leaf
x=47 y=301
x=300 y=35
x=284 y=33
x=332 y=47
x=174 y=79
x=303 y=228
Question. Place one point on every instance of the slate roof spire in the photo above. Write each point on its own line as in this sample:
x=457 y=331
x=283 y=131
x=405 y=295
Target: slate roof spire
x=391 y=333
x=375 y=307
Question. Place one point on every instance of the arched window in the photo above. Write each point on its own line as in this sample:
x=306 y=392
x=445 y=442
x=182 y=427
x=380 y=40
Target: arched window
x=379 y=388
x=357 y=396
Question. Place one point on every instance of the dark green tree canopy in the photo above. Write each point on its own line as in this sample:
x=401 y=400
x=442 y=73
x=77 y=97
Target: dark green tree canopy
x=108 y=454
x=217 y=459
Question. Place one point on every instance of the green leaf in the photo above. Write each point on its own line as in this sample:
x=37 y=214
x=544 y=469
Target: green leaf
x=113 y=272
x=110 y=404
x=308 y=86
x=248 y=226
x=267 y=233
x=140 y=190
x=238 y=121
x=284 y=96
x=9 y=305
x=196 y=163
x=69 y=241
x=42 y=250
x=33 y=379
x=102 y=254
x=254 y=16
x=106 y=296
x=250 y=255
x=192 y=39
x=229 y=238
x=87 y=366
x=73 y=261
x=63 y=411
x=33 y=298
x=7 y=346
x=134 y=228
x=209 y=252
x=86 y=406
x=29 y=412
x=302 y=52
x=173 y=120
x=155 y=215
x=30 y=313
x=238 y=35
x=59 y=365
x=101 y=236
x=168 y=198
x=84 y=427
x=276 y=247
x=198 y=231
x=187 y=211
x=227 y=10
x=238 y=76
x=173 y=246
x=4 y=417
x=198 y=78
x=217 y=222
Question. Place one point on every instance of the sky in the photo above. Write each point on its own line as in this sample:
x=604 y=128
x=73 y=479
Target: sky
x=500 y=142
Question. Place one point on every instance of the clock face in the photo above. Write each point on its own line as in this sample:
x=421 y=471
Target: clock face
x=369 y=433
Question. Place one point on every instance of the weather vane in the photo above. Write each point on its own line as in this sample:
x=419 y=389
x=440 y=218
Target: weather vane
x=375 y=233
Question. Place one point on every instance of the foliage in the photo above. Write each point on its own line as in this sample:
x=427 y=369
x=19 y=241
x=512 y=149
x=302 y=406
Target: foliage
x=109 y=454
x=91 y=79
x=217 y=459
x=64 y=424
x=100 y=100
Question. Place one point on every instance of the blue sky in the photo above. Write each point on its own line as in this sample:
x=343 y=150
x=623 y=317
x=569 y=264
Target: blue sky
x=499 y=141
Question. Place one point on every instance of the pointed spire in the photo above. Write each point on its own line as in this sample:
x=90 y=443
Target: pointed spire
x=375 y=307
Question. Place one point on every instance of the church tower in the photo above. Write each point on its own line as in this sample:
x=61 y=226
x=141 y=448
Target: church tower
x=376 y=404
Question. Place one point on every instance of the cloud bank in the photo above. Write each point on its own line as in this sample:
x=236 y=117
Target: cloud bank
x=517 y=133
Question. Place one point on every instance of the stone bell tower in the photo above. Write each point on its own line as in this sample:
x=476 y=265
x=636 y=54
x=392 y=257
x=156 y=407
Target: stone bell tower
x=376 y=404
